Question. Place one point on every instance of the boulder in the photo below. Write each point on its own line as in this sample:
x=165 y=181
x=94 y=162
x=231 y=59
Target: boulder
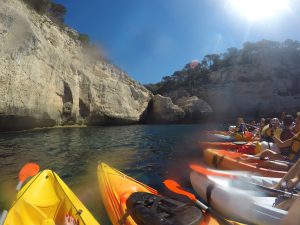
x=164 y=111
x=194 y=107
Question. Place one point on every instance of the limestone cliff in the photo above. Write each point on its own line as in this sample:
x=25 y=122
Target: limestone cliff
x=260 y=79
x=47 y=77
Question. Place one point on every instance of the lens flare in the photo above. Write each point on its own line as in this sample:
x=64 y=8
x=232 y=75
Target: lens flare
x=194 y=64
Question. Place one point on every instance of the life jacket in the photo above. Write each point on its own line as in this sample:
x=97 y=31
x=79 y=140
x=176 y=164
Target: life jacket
x=266 y=133
x=286 y=134
x=246 y=136
x=149 y=209
x=294 y=153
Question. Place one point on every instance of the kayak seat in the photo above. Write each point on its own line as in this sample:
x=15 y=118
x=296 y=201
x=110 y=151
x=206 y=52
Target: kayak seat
x=148 y=209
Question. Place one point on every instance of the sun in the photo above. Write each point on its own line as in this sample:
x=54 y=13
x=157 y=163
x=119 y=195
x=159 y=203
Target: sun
x=257 y=10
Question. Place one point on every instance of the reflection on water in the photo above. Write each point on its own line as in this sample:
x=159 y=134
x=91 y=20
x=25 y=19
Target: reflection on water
x=148 y=153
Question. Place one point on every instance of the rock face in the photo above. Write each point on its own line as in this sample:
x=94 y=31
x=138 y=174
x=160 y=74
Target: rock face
x=193 y=107
x=47 y=77
x=268 y=87
x=162 y=110
x=253 y=90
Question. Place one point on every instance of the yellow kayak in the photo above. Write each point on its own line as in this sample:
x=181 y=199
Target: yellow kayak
x=116 y=187
x=46 y=200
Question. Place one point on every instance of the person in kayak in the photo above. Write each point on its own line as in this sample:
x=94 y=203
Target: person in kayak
x=287 y=125
x=241 y=126
x=294 y=129
x=291 y=154
x=281 y=118
x=252 y=127
x=267 y=130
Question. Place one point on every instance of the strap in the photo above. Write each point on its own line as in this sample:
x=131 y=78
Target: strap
x=123 y=219
x=269 y=146
x=216 y=160
x=208 y=193
x=157 y=203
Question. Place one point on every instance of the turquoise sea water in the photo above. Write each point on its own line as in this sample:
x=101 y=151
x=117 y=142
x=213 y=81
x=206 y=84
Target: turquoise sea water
x=149 y=153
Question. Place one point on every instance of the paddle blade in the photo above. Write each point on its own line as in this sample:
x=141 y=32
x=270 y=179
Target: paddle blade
x=175 y=187
x=207 y=172
x=28 y=170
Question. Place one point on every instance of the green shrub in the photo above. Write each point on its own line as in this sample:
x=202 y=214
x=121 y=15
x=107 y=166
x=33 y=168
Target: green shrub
x=53 y=10
x=84 y=38
x=57 y=12
x=41 y=6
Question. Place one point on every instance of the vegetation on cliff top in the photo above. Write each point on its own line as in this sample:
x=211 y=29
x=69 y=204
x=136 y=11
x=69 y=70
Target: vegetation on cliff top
x=196 y=73
x=57 y=13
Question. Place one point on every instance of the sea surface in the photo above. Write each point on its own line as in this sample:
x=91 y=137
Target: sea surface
x=149 y=153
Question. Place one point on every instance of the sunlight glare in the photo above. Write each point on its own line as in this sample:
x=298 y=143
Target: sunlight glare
x=256 y=10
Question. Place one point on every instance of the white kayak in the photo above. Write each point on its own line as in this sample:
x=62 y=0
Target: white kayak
x=237 y=199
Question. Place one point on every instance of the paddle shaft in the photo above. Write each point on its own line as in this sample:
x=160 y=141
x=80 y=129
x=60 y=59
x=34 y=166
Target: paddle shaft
x=265 y=159
x=3 y=216
x=212 y=212
x=284 y=193
x=28 y=170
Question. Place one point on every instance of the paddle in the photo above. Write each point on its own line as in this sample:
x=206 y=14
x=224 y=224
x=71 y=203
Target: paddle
x=28 y=170
x=175 y=187
x=253 y=126
x=207 y=172
x=240 y=142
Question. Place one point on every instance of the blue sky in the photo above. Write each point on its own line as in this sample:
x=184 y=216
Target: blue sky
x=152 y=39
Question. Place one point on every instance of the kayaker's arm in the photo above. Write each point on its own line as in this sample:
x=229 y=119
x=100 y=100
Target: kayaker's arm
x=293 y=216
x=283 y=144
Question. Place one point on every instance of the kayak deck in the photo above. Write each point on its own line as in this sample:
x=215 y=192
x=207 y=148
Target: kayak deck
x=116 y=187
x=46 y=200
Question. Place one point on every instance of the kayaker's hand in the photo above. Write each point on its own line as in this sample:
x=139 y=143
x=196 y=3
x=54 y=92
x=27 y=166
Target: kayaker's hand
x=70 y=220
x=292 y=182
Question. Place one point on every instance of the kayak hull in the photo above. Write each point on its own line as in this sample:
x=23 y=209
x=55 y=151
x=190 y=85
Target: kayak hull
x=216 y=159
x=46 y=200
x=242 y=205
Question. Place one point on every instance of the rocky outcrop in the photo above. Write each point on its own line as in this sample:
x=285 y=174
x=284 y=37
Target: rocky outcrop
x=262 y=78
x=162 y=110
x=194 y=107
x=47 y=77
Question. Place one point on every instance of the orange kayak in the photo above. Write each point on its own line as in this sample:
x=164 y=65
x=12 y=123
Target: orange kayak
x=226 y=160
x=116 y=187
x=241 y=147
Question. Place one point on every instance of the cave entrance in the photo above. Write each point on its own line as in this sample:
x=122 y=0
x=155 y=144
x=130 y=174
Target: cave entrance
x=67 y=99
